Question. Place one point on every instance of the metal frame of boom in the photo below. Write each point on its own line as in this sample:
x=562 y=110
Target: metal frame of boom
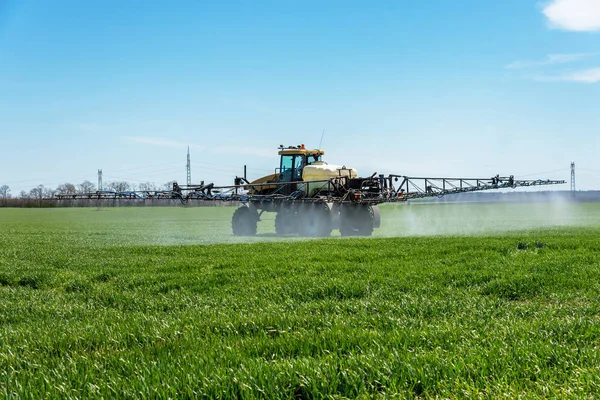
x=375 y=189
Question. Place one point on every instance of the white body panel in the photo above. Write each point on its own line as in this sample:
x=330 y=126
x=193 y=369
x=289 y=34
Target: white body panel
x=320 y=171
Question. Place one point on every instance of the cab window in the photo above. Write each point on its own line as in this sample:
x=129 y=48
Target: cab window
x=287 y=165
x=314 y=158
x=291 y=167
x=298 y=165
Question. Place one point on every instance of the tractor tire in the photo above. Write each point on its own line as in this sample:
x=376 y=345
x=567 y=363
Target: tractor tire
x=314 y=220
x=286 y=221
x=244 y=221
x=358 y=220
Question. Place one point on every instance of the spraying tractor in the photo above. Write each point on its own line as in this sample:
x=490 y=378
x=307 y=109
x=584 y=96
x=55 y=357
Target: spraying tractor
x=311 y=198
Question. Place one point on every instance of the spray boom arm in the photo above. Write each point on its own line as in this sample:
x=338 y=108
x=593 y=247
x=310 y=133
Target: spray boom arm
x=375 y=189
x=416 y=187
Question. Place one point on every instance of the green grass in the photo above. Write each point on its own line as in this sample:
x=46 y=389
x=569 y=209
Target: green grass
x=135 y=303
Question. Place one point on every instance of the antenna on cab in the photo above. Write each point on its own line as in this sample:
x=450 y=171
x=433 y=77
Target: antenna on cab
x=321 y=142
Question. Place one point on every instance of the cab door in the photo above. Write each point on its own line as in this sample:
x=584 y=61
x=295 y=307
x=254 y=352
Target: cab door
x=287 y=168
x=290 y=172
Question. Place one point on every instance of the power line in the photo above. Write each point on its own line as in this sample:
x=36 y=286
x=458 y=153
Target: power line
x=155 y=171
x=86 y=176
x=145 y=176
x=545 y=172
x=145 y=167
x=589 y=169
x=230 y=167
x=41 y=179
x=221 y=165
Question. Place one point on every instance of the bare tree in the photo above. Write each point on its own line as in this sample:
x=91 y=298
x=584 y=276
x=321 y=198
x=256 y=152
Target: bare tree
x=23 y=195
x=48 y=193
x=37 y=193
x=4 y=192
x=147 y=186
x=86 y=187
x=66 y=188
x=118 y=186
x=168 y=186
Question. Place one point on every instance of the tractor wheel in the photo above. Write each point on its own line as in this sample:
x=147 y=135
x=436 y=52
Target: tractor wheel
x=358 y=220
x=314 y=220
x=244 y=221
x=286 y=221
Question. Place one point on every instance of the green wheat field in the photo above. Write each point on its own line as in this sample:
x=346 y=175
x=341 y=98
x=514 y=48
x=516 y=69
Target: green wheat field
x=445 y=301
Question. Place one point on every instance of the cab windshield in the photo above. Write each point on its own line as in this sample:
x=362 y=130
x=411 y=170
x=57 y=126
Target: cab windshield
x=291 y=167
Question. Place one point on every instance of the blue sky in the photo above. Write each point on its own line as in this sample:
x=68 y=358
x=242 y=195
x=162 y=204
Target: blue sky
x=455 y=88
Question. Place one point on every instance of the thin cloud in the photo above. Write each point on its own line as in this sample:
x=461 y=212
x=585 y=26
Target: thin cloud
x=573 y=15
x=591 y=75
x=162 y=142
x=551 y=59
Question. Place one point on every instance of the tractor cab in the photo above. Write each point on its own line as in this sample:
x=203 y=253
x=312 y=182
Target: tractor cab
x=293 y=161
x=291 y=170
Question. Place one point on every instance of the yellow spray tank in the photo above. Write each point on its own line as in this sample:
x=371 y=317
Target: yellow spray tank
x=321 y=171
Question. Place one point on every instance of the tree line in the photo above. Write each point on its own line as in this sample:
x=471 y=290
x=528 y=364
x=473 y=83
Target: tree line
x=37 y=195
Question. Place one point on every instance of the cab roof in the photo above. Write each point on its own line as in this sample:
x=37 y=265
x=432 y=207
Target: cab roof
x=295 y=150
